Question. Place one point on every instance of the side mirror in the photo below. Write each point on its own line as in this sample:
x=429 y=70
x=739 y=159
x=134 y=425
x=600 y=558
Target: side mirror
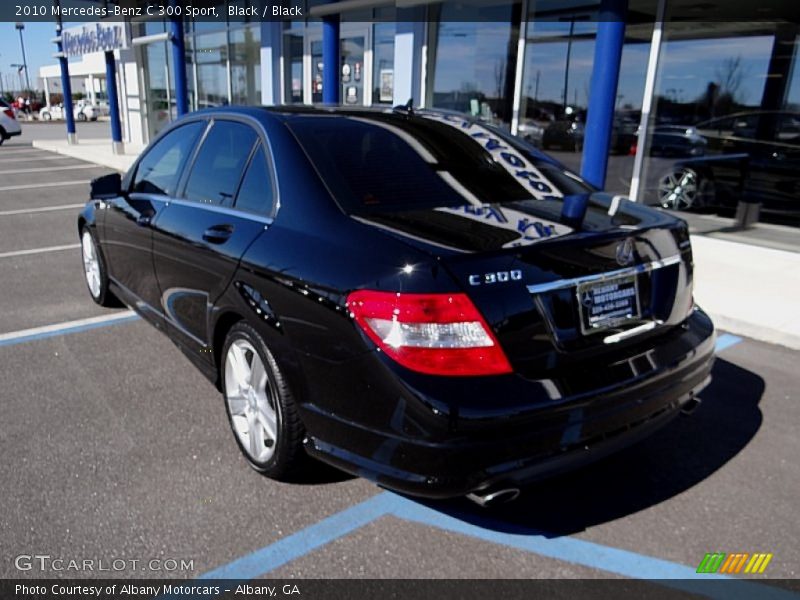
x=105 y=187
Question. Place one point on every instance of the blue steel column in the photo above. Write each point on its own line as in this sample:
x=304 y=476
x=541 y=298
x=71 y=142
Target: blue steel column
x=179 y=65
x=113 y=103
x=602 y=102
x=66 y=85
x=331 y=82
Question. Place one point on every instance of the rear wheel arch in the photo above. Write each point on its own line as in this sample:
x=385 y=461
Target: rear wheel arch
x=223 y=325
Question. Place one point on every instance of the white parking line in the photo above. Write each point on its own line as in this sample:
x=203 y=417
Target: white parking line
x=38 y=250
x=32 y=158
x=35 y=333
x=33 y=186
x=25 y=211
x=47 y=169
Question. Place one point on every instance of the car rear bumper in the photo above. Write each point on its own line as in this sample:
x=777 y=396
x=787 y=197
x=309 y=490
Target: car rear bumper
x=12 y=132
x=468 y=450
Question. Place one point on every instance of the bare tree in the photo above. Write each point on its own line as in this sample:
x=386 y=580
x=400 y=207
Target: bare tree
x=730 y=76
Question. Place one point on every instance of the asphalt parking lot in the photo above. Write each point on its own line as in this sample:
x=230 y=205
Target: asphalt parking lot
x=115 y=447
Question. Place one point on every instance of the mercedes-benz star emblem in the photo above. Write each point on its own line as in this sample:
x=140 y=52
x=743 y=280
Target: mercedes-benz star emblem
x=625 y=252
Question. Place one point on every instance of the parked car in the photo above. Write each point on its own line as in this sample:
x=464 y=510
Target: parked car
x=568 y=134
x=396 y=293
x=564 y=134
x=9 y=125
x=82 y=111
x=677 y=140
x=753 y=156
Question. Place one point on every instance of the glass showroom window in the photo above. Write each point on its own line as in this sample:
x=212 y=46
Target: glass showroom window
x=383 y=63
x=554 y=96
x=211 y=52
x=473 y=54
x=246 y=65
x=293 y=75
x=725 y=128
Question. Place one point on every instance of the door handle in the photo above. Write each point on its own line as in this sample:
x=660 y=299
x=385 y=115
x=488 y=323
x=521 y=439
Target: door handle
x=218 y=234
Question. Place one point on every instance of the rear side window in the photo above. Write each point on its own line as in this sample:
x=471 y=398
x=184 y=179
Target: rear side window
x=218 y=169
x=159 y=170
x=255 y=194
x=378 y=162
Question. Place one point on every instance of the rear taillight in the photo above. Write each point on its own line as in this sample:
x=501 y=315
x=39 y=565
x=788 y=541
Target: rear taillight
x=438 y=334
x=9 y=113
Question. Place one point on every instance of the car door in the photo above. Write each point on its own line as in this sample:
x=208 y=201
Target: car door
x=200 y=237
x=126 y=226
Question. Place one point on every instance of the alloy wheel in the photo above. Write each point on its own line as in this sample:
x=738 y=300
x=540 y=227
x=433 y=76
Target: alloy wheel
x=91 y=266
x=679 y=189
x=251 y=402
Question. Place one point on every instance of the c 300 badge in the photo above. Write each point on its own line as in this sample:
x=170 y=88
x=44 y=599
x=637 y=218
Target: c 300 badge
x=496 y=277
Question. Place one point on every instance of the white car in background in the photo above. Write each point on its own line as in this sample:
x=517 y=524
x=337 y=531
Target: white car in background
x=9 y=126
x=82 y=111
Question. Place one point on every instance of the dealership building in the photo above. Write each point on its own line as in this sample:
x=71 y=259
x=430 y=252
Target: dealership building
x=606 y=66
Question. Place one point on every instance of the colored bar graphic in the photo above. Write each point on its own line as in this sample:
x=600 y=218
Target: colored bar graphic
x=720 y=562
x=711 y=562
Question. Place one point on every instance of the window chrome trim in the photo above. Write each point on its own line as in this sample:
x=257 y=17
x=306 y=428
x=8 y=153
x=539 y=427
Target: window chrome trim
x=561 y=284
x=225 y=210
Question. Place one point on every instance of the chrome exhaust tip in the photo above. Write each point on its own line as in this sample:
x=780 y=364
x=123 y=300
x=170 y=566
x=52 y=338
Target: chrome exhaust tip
x=488 y=498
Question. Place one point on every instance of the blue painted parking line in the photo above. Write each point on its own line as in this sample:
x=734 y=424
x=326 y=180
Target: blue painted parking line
x=592 y=555
x=568 y=549
x=48 y=331
x=726 y=340
x=304 y=541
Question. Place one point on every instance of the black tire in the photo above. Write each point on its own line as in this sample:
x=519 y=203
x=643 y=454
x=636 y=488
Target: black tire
x=81 y=116
x=103 y=295
x=2 y=136
x=288 y=456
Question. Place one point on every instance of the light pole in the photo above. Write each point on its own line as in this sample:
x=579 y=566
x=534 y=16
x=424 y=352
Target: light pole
x=20 y=27
x=19 y=69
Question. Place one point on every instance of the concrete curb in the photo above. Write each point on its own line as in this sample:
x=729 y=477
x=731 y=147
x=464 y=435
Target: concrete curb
x=94 y=151
x=755 y=331
x=749 y=290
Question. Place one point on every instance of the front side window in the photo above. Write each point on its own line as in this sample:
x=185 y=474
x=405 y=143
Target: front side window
x=220 y=163
x=159 y=170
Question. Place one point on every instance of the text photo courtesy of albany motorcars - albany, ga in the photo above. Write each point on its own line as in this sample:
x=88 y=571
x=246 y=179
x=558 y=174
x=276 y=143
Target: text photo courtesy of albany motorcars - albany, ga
x=434 y=299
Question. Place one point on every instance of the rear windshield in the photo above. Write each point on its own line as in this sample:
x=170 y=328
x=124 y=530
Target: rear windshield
x=388 y=162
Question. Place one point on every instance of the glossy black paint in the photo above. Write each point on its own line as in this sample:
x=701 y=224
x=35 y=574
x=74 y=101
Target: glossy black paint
x=288 y=274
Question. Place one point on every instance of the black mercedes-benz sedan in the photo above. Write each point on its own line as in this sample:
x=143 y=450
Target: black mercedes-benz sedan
x=402 y=294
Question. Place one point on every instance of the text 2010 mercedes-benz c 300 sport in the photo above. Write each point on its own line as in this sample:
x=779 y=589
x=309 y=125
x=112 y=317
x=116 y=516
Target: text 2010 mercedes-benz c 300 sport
x=399 y=294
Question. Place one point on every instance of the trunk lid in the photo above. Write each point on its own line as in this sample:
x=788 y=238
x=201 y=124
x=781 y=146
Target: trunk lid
x=539 y=280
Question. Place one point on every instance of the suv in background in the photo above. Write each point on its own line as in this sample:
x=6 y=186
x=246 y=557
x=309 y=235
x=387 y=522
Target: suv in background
x=9 y=126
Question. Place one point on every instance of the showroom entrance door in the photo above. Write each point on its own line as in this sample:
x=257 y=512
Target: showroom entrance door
x=355 y=48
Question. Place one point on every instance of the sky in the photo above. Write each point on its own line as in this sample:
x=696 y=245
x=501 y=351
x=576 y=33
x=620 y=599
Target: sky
x=38 y=49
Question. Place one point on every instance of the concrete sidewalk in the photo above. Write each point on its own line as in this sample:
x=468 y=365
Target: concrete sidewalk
x=96 y=151
x=747 y=289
